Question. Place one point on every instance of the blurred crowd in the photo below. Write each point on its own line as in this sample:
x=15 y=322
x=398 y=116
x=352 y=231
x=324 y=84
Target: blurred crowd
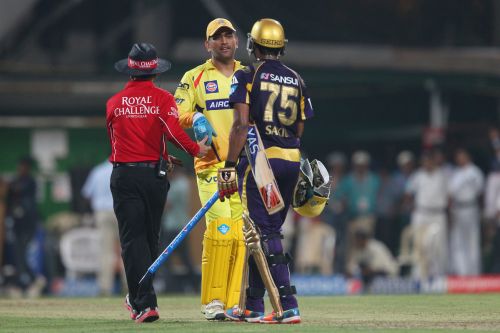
x=50 y=256
x=428 y=217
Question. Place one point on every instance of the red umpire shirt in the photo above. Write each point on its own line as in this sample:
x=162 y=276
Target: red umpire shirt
x=140 y=119
x=139 y=114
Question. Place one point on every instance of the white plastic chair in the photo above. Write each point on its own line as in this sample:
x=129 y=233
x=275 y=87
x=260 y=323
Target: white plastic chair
x=80 y=251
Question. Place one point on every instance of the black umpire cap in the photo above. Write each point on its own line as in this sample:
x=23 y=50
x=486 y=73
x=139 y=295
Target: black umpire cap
x=142 y=60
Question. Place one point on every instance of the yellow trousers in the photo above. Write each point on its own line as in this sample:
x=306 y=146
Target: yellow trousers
x=223 y=245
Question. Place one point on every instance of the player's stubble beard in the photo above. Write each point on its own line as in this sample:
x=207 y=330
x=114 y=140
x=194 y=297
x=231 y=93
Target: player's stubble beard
x=222 y=58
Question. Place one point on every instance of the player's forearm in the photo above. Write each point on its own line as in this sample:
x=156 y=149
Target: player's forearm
x=237 y=139
x=239 y=132
x=179 y=138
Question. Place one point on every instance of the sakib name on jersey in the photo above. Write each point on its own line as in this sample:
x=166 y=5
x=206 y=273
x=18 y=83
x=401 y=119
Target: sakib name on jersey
x=137 y=107
x=278 y=78
x=277 y=131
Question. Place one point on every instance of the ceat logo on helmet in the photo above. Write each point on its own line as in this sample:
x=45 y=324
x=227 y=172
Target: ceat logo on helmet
x=211 y=87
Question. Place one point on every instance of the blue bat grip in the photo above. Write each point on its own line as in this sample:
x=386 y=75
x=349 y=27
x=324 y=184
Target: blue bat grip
x=180 y=236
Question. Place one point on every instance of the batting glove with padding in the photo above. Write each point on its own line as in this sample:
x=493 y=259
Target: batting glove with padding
x=226 y=182
x=202 y=128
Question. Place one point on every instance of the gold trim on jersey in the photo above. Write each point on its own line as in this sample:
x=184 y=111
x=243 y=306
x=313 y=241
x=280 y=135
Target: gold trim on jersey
x=288 y=154
x=302 y=108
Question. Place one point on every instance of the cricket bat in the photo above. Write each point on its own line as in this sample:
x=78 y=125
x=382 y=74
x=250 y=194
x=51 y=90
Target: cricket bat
x=262 y=172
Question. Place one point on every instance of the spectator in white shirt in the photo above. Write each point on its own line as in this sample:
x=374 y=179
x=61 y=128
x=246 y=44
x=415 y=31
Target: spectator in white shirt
x=370 y=258
x=466 y=185
x=428 y=189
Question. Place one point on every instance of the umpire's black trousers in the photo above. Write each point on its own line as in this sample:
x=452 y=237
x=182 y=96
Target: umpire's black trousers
x=138 y=199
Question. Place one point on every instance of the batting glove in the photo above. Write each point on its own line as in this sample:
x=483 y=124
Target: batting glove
x=226 y=182
x=202 y=128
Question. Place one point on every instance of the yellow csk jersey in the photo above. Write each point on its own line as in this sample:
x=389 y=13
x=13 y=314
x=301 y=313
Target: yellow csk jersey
x=205 y=89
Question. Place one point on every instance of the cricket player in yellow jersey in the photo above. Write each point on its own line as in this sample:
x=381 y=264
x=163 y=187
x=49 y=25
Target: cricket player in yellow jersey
x=203 y=102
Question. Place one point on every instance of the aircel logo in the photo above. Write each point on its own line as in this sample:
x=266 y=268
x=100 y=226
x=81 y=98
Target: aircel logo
x=279 y=78
x=218 y=104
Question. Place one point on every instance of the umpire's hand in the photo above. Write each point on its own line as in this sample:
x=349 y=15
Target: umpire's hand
x=203 y=147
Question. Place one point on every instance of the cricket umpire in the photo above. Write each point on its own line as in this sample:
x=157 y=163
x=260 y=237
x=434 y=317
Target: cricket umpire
x=140 y=119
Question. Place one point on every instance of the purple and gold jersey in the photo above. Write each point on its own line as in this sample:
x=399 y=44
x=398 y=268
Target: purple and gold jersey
x=278 y=101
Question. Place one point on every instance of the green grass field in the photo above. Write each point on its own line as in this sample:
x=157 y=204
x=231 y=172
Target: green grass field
x=431 y=313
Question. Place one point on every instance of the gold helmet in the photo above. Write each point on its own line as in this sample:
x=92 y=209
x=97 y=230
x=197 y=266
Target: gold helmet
x=268 y=33
x=312 y=190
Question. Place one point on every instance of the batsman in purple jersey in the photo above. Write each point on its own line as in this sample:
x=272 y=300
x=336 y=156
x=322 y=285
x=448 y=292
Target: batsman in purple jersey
x=274 y=98
x=278 y=101
x=278 y=105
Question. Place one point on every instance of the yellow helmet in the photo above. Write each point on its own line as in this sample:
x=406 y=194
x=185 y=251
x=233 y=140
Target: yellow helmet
x=312 y=190
x=312 y=207
x=268 y=33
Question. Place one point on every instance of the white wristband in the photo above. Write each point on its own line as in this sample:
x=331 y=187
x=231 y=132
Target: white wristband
x=197 y=115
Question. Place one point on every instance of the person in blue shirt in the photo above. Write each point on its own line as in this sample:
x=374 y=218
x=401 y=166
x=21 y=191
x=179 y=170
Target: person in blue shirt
x=359 y=190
